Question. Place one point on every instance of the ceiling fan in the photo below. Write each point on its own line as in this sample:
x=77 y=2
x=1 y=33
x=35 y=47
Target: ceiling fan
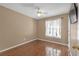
x=40 y=12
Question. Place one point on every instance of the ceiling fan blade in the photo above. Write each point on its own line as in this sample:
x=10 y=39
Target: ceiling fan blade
x=45 y=13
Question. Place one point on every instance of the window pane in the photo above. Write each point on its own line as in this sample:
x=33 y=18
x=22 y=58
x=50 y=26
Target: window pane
x=53 y=28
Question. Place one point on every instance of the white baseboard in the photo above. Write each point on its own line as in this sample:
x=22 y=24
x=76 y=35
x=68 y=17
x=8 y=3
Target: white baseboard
x=52 y=42
x=17 y=45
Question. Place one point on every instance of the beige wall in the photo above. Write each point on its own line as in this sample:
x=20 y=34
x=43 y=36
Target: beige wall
x=64 y=29
x=73 y=33
x=14 y=27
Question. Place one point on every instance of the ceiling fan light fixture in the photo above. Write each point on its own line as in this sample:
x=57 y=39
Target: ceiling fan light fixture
x=39 y=14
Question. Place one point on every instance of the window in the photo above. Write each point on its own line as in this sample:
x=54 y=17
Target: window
x=53 y=28
x=52 y=51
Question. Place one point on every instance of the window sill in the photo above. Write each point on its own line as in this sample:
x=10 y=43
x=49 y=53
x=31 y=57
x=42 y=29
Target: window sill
x=53 y=37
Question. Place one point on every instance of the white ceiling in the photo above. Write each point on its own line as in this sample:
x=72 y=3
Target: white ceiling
x=29 y=9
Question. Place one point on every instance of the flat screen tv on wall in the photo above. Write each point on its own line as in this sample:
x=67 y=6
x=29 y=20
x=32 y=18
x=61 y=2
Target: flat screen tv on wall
x=73 y=14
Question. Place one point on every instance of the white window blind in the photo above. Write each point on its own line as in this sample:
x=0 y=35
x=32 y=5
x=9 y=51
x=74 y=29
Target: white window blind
x=53 y=28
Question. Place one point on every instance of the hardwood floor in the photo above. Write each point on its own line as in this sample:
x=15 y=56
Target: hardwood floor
x=35 y=48
x=43 y=44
